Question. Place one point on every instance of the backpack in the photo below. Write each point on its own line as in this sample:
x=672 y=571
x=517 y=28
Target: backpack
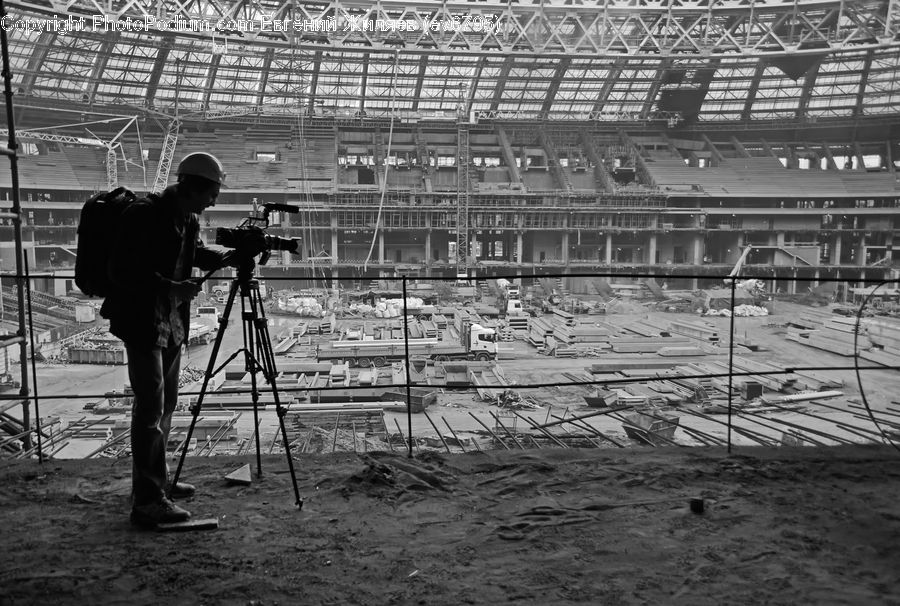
x=97 y=228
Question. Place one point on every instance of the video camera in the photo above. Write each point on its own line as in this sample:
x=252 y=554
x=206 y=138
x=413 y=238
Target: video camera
x=249 y=237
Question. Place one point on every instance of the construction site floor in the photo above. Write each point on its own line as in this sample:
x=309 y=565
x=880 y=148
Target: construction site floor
x=549 y=526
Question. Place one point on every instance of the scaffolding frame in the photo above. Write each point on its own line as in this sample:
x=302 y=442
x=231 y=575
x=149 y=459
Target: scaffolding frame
x=24 y=335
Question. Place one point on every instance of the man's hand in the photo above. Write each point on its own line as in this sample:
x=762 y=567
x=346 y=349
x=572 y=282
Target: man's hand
x=185 y=290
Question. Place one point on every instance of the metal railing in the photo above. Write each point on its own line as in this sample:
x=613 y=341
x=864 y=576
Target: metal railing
x=740 y=425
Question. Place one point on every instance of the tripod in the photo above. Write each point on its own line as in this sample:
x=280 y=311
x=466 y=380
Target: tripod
x=258 y=357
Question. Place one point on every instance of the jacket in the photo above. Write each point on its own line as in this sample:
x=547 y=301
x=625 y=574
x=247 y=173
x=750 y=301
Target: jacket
x=145 y=252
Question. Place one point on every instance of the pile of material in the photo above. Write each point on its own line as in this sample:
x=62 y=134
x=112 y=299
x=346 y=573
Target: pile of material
x=740 y=311
x=836 y=335
x=301 y=306
x=393 y=308
x=189 y=375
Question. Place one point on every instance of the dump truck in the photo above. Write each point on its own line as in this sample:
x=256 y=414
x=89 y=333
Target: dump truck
x=475 y=343
x=200 y=333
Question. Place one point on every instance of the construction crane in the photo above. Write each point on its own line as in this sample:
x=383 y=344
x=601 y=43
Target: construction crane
x=170 y=141
x=165 y=156
x=740 y=263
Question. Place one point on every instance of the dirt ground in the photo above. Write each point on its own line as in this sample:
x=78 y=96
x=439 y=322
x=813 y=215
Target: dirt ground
x=549 y=526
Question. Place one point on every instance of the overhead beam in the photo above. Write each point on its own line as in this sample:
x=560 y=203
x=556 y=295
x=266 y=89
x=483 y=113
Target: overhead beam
x=860 y=161
x=476 y=80
x=501 y=82
x=739 y=147
x=829 y=157
x=809 y=83
x=364 y=83
x=162 y=58
x=100 y=62
x=210 y=85
x=863 y=81
x=751 y=92
x=36 y=60
x=551 y=28
x=615 y=73
x=653 y=91
x=768 y=148
x=314 y=82
x=706 y=78
x=264 y=81
x=420 y=81
x=713 y=150
x=561 y=68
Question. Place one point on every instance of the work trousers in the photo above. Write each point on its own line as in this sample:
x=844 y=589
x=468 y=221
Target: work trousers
x=153 y=372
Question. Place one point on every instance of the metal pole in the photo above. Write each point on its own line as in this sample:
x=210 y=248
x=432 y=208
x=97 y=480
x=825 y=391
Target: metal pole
x=542 y=430
x=438 y=431
x=798 y=435
x=587 y=416
x=493 y=435
x=800 y=428
x=572 y=435
x=584 y=425
x=458 y=441
x=759 y=438
x=731 y=358
x=505 y=430
x=408 y=376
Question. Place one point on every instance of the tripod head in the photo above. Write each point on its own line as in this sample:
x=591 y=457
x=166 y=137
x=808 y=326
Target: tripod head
x=245 y=271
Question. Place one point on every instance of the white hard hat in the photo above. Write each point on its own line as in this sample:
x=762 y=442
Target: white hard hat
x=204 y=165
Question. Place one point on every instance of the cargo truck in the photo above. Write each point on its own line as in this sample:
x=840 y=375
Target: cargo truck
x=475 y=343
x=200 y=333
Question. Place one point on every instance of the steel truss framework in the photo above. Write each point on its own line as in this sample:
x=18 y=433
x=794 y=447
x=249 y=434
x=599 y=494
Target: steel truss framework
x=549 y=59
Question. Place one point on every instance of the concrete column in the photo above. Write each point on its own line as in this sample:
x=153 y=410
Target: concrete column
x=816 y=279
x=836 y=251
x=286 y=222
x=698 y=250
x=888 y=247
x=779 y=239
x=609 y=249
x=428 y=247
x=473 y=241
x=652 y=250
x=334 y=241
x=861 y=251
x=381 y=248
x=519 y=247
x=565 y=248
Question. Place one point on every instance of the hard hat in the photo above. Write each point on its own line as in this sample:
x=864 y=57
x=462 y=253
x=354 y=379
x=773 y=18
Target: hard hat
x=204 y=165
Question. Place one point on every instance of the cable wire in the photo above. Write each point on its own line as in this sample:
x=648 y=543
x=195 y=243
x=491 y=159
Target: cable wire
x=387 y=156
x=862 y=391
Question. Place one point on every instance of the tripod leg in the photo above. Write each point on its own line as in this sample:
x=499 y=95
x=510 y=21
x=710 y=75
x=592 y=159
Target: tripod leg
x=249 y=316
x=210 y=368
x=270 y=372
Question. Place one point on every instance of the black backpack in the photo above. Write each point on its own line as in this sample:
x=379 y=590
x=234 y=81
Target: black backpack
x=97 y=229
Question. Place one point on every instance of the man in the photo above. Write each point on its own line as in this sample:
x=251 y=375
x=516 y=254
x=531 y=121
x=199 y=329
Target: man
x=154 y=251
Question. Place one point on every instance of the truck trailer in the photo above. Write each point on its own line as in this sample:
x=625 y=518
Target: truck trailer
x=475 y=343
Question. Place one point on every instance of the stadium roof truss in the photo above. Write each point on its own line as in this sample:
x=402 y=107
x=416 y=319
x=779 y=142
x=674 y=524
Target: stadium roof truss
x=714 y=60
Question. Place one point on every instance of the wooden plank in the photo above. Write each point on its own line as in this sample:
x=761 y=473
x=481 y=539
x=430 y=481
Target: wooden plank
x=190 y=525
